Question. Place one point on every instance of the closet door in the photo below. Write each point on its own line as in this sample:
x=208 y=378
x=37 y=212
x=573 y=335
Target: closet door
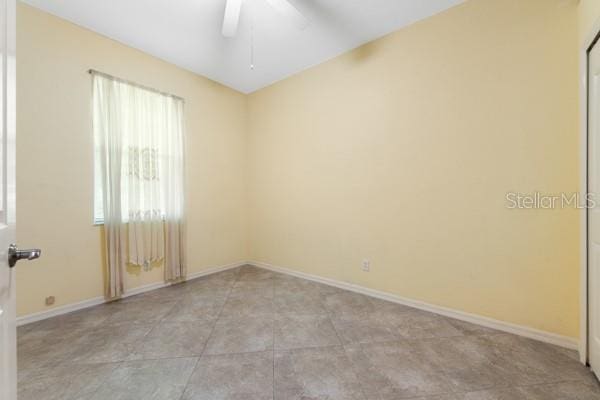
x=594 y=213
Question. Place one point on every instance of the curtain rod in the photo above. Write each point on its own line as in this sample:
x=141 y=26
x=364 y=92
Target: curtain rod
x=94 y=72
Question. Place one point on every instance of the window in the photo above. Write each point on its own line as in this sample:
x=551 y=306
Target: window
x=138 y=141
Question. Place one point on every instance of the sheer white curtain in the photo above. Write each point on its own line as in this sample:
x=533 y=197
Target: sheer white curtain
x=139 y=137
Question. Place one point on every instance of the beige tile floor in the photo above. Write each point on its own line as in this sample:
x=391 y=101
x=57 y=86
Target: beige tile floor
x=250 y=334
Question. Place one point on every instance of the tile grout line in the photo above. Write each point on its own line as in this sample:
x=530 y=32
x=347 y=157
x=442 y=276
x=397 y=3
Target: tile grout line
x=120 y=363
x=329 y=314
x=443 y=373
x=158 y=322
x=93 y=393
x=209 y=336
x=187 y=382
x=153 y=326
x=355 y=367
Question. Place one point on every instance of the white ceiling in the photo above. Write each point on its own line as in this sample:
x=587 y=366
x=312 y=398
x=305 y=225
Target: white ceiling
x=187 y=33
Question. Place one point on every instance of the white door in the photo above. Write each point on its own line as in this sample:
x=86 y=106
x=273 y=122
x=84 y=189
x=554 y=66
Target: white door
x=8 y=361
x=594 y=213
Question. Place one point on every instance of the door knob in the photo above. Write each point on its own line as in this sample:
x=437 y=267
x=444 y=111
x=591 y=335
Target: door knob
x=14 y=254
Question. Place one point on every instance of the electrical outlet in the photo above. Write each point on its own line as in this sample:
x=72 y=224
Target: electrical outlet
x=50 y=300
x=366 y=265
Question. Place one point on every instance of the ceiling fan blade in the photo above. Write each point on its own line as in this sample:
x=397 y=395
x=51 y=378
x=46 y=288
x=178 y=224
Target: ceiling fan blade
x=232 y=17
x=285 y=8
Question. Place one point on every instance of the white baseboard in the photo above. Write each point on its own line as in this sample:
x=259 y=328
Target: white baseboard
x=38 y=316
x=543 y=336
x=29 y=318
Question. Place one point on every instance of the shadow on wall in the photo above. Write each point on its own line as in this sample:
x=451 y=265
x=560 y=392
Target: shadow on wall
x=364 y=52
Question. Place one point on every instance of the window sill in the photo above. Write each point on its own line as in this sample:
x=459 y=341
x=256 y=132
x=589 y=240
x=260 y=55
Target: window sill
x=100 y=222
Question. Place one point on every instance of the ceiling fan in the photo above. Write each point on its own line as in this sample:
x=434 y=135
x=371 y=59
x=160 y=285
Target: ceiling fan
x=284 y=7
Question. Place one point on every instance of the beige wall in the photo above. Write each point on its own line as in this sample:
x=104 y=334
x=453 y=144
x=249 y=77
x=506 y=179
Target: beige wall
x=589 y=17
x=402 y=152
x=55 y=159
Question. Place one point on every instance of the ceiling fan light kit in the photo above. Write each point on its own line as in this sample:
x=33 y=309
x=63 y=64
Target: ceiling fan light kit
x=233 y=10
x=232 y=17
x=283 y=7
